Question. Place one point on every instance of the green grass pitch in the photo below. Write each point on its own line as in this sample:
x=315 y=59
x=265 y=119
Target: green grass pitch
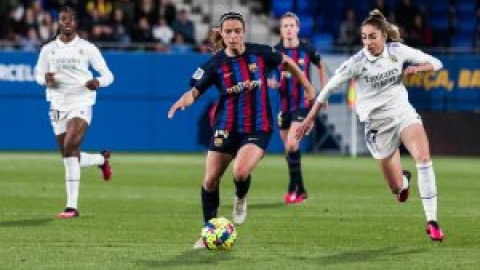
x=149 y=216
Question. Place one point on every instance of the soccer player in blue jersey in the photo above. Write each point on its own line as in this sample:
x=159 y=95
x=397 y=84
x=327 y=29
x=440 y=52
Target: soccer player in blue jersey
x=243 y=117
x=294 y=104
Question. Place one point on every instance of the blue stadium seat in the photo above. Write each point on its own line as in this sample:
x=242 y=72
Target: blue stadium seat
x=439 y=8
x=464 y=5
x=303 y=7
x=320 y=21
x=462 y=41
x=467 y=25
x=306 y=25
x=439 y=22
x=280 y=7
x=323 y=41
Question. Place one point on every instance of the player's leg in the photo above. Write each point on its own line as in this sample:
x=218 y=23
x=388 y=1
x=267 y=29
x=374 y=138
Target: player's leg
x=215 y=166
x=75 y=132
x=382 y=138
x=397 y=180
x=248 y=157
x=101 y=160
x=294 y=162
x=415 y=140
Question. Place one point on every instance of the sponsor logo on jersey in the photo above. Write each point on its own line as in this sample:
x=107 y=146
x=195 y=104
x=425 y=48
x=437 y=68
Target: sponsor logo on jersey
x=248 y=85
x=252 y=67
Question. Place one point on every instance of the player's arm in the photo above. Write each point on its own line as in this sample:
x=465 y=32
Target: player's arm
x=201 y=80
x=184 y=101
x=99 y=64
x=322 y=74
x=345 y=72
x=317 y=60
x=422 y=61
x=42 y=75
x=297 y=72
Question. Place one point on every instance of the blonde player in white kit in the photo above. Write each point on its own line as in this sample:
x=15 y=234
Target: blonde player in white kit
x=63 y=67
x=382 y=103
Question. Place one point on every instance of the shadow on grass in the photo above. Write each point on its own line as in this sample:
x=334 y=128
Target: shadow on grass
x=189 y=258
x=26 y=222
x=357 y=256
x=272 y=205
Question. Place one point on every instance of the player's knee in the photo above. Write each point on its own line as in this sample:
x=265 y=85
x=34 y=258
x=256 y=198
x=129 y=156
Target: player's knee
x=291 y=146
x=421 y=158
x=241 y=174
x=70 y=151
x=210 y=183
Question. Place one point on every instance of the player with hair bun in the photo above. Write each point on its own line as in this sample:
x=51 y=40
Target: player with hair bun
x=382 y=103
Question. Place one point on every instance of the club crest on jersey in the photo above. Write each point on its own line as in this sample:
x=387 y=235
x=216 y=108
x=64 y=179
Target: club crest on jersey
x=394 y=58
x=252 y=67
x=198 y=74
x=80 y=52
x=218 y=142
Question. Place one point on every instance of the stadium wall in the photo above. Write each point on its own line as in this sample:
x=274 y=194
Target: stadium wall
x=131 y=114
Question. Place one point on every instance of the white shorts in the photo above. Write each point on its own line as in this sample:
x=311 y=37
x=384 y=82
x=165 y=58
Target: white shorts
x=382 y=136
x=59 y=119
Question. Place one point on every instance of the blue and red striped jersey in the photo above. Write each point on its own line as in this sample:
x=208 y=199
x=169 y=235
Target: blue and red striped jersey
x=292 y=93
x=241 y=81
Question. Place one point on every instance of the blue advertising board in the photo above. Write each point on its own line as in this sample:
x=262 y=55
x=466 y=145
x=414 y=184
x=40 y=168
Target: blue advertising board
x=131 y=114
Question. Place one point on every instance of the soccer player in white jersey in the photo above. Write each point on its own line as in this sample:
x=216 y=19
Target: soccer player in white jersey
x=63 y=68
x=382 y=103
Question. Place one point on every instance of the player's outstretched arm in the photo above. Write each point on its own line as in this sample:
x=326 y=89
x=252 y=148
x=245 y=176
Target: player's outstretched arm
x=184 y=101
x=307 y=123
x=297 y=72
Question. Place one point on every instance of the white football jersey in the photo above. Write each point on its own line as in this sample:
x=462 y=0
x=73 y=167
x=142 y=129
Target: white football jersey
x=379 y=79
x=70 y=62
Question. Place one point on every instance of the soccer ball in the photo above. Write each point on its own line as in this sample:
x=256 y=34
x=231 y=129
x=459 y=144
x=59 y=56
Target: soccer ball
x=219 y=233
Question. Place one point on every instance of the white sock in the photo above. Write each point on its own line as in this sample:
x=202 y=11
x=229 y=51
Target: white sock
x=405 y=183
x=428 y=189
x=87 y=160
x=72 y=178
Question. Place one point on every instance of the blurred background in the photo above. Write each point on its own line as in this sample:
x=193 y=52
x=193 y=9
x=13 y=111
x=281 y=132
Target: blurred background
x=154 y=46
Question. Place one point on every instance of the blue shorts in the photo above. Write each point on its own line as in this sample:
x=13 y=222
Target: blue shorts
x=285 y=119
x=229 y=142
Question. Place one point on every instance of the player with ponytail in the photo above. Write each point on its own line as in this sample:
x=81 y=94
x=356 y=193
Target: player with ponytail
x=382 y=104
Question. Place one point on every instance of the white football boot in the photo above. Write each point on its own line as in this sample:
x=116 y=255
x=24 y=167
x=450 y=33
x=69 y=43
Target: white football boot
x=239 y=210
x=199 y=244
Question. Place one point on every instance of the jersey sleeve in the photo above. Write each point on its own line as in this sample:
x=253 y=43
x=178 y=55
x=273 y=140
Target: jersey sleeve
x=273 y=58
x=41 y=68
x=314 y=55
x=345 y=72
x=204 y=77
x=415 y=56
x=98 y=63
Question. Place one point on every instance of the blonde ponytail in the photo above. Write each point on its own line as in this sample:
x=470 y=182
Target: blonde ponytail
x=377 y=19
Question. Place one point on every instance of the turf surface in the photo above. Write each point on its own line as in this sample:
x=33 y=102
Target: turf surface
x=149 y=216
